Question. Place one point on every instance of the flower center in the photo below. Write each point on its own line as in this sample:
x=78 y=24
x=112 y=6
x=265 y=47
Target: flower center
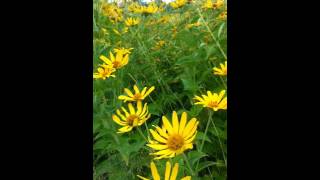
x=213 y=104
x=116 y=64
x=137 y=96
x=132 y=119
x=175 y=142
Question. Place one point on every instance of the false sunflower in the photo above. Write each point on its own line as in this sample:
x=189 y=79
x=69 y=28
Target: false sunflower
x=222 y=71
x=132 y=21
x=105 y=71
x=213 y=100
x=178 y=3
x=132 y=118
x=138 y=95
x=173 y=138
x=117 y=62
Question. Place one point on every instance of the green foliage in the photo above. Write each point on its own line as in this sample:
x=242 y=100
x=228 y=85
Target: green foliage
x=179 y=70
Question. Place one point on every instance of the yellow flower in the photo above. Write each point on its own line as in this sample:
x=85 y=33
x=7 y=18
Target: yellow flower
x=131 y=119
x=193 y=25
x=222 y=16
x=132 y=21
x=150 y=9
x=104 y=72
x=137 y=96
x=112 y=11
x=133 y=6
x=173 y=139
x=210 y=5
x=158 y=45
x=222 y=71
x=117 y=62
x=173 y=172
x=213 y=101
x=122 y=50
x=178 y=3
x=125 y=30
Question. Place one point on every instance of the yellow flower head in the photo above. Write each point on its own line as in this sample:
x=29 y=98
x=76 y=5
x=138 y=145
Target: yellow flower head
x=214 y=101
x=222 y=71
x=178 y=3
x=133 y=6
x=222 y=16
x=168 y=172
x=210 y=5
x=158 y=45
x=137 y=96
x=132 y=21
x=125 y=30
x=131 y=119
x=122 y=50
x=117 y=62
x=173 y=139
x=112 y=11
x=150 y=9
x=104 y=72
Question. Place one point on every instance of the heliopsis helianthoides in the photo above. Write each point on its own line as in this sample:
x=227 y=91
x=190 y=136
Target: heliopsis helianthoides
x=132 y=21
x=222 y=71
x=178 y=3
x=173 y=138
x=158 y=45
x=213 y=100
x=137 y=96
x=117 y=62
x=168 y=172
x=104 y=72
x=222 y=16
x=210 y=5
x=112 y=11
x=122 y=50
x=131 y=119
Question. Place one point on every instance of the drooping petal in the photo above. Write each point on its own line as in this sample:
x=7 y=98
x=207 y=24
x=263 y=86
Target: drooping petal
x=154 y=171
x=168 y=170
x=125 y=129
x=143 y=178
x=129 y=93
x=117 y=120
x=174 y=172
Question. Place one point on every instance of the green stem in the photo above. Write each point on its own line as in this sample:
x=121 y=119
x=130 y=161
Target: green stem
x=210 y=32
x=188 y=164
x=210 y=114
x=141 y=133
x=221 y=146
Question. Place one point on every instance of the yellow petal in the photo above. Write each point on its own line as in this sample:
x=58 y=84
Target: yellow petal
x=149 y=91
x=125 y=98
x=136 y=89
x=189 y=127
x=117 y=120
x=186 y=178
x=168 y=170
x=161 y=132
x=167 y=125
x=121 y=115
x=139 y=107
x=128 y=92
x=125 y=129
x=158 y=146
x=131 y=109
x=174 y=172
x=157 y=137
x=145 y=109
x=175 y=122
x=125 y=111
x=154 y=171
x=143 y=91
x=191 y=139
x=221 y=94
x=112 y=57
x=192 y=131
x=182 y=122
x=143 y=178
x=105 y=59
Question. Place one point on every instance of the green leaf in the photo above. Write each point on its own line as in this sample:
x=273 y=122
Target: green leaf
x=200 y=136
x=194 y=156
x=205 y=164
